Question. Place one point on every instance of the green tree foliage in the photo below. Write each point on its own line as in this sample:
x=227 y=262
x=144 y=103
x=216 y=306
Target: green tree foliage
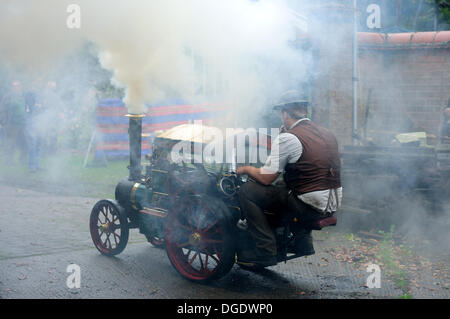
x=396 y=15
x=444 y=12
x=426 y=15
x=413 y=15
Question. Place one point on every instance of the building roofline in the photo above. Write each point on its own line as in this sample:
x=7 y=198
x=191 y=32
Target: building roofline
x=435 y=40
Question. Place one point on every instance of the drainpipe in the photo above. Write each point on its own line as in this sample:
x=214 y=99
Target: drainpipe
x=355 y=73
x=419 y=10
x=436 y=15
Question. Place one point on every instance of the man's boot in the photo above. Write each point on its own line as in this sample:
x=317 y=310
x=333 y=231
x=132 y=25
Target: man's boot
x=247 y=253
x=250 y=259
x=303 y=243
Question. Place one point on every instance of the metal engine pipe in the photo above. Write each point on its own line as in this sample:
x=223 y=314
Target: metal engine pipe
x=135 y=139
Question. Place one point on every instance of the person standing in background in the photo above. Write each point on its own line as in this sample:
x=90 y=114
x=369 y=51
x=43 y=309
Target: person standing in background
x=13 y=124
x=2 y=125
x=53 y=110
x=35 y=128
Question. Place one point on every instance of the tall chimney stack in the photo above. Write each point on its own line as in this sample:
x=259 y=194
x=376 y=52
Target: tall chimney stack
x=135 y=137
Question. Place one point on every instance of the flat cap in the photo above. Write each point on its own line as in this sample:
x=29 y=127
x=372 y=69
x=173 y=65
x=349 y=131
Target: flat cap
x=291 y=99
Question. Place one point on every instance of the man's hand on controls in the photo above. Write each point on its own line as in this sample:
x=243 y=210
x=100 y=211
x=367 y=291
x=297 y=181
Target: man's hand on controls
x=261 y=176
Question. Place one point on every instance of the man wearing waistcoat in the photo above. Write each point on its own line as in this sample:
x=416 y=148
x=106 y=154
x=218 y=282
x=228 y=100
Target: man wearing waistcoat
x=308 y=157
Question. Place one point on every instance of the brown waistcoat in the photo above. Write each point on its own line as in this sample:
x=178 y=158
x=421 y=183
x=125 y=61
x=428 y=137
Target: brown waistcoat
x=319 y=166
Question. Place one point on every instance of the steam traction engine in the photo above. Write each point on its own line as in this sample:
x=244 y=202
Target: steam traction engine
x=189 y=209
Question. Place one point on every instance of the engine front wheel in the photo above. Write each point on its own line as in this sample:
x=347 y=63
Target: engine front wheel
x=109 y=227
x=198 y=238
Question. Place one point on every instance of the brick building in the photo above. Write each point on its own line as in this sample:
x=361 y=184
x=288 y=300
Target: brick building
x=403 y=78
x=408 y=78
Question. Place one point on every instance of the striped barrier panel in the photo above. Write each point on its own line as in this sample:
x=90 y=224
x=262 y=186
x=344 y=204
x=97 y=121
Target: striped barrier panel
x=112 y=124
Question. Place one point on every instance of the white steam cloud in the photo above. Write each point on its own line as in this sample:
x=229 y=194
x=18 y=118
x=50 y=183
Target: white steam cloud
x=236 y=51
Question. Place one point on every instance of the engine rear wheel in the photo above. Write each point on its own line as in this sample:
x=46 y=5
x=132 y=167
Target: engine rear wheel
x=109 y=227
x=199 y=242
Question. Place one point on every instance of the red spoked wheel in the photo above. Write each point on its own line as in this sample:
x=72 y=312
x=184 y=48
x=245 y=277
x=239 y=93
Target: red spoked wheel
x=198 y=239
x=109 y=227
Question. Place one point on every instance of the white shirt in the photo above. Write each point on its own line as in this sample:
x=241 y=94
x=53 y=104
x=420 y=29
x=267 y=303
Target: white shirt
x=287 y=149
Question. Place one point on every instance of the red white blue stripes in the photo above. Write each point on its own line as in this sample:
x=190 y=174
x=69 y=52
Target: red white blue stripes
x=112 y=124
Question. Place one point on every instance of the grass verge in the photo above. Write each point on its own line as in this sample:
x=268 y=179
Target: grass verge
x=64 y=174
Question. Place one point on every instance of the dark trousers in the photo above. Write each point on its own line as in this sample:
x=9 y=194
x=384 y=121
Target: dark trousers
x=35 y=137
x=256 y=198
x=14 y=140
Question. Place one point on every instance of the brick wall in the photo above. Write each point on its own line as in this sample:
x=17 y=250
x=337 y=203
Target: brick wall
x=407 y=74
x=410 y=88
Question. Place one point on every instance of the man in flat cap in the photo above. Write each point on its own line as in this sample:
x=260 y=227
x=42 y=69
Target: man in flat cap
x=307 y=155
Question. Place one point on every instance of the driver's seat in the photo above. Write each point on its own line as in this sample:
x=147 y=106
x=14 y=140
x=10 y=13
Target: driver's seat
x=320 y=223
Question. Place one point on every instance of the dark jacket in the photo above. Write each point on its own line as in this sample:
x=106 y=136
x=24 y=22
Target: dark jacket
x=13 y=109
x=319 y=166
